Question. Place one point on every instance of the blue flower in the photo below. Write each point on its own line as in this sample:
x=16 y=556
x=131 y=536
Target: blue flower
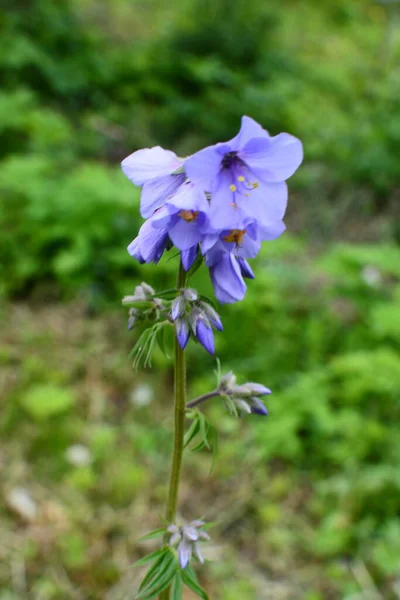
x=246 y=175
x=185 y=216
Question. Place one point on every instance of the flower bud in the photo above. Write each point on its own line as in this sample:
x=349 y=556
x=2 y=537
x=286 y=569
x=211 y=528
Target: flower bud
x=227 y=381
x=147 y=289
x=182 y=332
x=205 y=334
x=190 y=295
x=212 y=315
x=178 y=307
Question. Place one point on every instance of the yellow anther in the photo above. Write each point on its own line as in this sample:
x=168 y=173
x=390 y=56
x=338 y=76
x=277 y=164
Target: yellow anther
x=254 y=185
x=240 y=178
x=188 y=215
x=235 y=235
x=233 y=188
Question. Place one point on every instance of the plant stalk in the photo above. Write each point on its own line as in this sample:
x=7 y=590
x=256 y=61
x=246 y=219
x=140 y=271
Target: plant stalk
x=203 y=398
x=179 y=427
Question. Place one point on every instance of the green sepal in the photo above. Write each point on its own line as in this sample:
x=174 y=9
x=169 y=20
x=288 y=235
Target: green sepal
x=208 y=301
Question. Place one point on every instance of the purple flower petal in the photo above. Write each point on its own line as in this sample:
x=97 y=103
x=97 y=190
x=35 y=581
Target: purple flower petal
x=188 y=257
x=203 y=167
x=157 y=191
x=245 y=268
x=272 y=231
x=189 y=197
x=152 y=242
x=185 y=553
x=149 y=163
x=134 y=250
x=258 y=407
x=248 y=248
x=177 y=307
x=182 y=333
x=265 y=203
x=227 y=280
x=249 y=129
x=184 y=234
x=257 y=388
x=273 y=159
x=205 y=335
x=208 y=241
x=162 y=217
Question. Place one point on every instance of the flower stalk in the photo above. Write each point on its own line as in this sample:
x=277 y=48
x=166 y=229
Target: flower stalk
x=179 y=426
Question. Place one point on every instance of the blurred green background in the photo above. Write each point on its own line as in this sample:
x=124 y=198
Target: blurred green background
x=307 y=502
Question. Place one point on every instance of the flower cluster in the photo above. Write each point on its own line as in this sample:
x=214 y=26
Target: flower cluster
x=145 y=306
x=191 y=315
x=187 y=539
x=222 y=201
x=243 y=398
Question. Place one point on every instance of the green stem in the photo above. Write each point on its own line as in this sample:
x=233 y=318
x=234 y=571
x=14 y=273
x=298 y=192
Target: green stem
x=179 y=428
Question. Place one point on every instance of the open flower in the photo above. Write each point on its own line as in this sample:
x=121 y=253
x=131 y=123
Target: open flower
x=159 y=171
x=184 y=217
x=246 y=175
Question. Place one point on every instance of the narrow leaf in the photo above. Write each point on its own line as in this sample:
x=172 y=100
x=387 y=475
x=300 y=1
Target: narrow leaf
x=189 y=578
x=163 y=578
x=152 y=572
x=161 y=341
x=177 y=589
x=149 y=557
x=203 y=430
x=191 y=432
x=153 y=534
x=199 y=447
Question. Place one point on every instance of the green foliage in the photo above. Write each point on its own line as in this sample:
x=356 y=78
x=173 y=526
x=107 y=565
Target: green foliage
x=44 y=401
x=85 y=83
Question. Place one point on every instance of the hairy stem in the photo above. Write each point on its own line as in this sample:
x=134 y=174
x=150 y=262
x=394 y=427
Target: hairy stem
x=203 y=398
x=179 y=427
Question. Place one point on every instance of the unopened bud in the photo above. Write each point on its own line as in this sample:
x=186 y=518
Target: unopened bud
x=190 y=295
x=178 y=307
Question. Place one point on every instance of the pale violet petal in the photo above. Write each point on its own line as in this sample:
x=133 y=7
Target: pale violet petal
x=149 y=163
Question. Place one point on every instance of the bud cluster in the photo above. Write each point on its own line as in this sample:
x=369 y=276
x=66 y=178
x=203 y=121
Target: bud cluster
x=186 y=539
x=243 y=398
x=193 y=316
x=145 y=307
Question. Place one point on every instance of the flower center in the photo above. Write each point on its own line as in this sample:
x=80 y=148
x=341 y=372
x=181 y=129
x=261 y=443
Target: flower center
x=235 y=235
x=228 y=159
x=188 y=215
